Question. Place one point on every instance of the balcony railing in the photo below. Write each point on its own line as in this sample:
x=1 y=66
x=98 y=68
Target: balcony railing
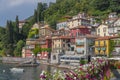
x=100 y=45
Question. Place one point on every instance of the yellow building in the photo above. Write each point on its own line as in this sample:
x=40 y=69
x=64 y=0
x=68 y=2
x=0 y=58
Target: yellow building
x=102 y=30
x=102 y=46
x=60 y=44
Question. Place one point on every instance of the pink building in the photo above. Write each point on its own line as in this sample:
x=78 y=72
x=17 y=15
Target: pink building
x=79 y=31
x=45 y=44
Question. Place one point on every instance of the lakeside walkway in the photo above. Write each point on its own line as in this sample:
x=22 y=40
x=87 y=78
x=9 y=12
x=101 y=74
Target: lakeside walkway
x=16 y=60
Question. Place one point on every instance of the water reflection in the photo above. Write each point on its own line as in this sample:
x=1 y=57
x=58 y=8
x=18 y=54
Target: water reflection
x=31 y=73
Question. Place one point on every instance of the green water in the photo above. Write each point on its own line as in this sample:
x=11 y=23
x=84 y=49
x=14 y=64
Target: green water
x=31 y=73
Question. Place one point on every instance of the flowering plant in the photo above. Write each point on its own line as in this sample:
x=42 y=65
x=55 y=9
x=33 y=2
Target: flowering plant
x=95 y=70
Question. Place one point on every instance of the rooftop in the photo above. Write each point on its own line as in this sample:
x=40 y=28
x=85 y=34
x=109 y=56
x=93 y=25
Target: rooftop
x=107 y=37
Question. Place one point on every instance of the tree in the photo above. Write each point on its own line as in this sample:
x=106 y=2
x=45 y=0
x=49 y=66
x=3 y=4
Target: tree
x=16 y=30
x=9 y=32
x=36 y=50
x=111 y=47
x=35 y=16
x=18 y=49
x=33 y=33
x=40 y=11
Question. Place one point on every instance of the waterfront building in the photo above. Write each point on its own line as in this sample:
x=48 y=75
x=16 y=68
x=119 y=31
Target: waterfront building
x=103 y=45
x=85 y=44
x=60 y=44
x=116 y=51
x=45 y=44
x=30 y=45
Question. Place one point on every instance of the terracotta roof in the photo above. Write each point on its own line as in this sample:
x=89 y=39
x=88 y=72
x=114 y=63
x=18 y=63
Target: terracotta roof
x=107 y=37
x=48 y=37
x=88 y=36
x=91 y=36
x=22 y=21
x=64 y=37
x=78 y=27
x=47 y=27
x=61 y=37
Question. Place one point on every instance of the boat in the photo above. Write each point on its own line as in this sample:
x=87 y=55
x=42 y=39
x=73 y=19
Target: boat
x=17 y=70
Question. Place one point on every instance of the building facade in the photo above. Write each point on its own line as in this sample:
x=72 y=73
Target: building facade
x=62 y=25
x=78 y=20
x=46 y=31
x=102 y=46
x=102 y=30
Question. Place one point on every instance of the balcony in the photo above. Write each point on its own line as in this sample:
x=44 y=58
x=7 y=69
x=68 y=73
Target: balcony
x=80 y=44
x=100 y=45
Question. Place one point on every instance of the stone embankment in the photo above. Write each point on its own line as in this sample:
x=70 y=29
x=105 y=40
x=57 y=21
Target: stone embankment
x=15 y=60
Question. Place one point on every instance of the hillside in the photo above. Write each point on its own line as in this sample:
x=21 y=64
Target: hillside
x=99 y=8
x=56 y=11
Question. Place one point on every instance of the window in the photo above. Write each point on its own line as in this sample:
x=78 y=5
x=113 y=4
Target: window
x=54 y=57
x=104 y=43
x=72 y=48
x=104 y=34
x=98 y=30
x=63 y=45
x=104 y=29
x=98 y=43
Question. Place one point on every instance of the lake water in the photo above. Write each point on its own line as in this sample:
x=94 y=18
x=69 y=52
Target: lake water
x=31 y=73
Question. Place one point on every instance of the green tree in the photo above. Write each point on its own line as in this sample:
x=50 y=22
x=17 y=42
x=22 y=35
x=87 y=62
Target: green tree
x=35 y=16
x=101 y=4
x=33 y=33
x=40 y=8
x=111 y=47
x=36 y=50
x=16 y=30
x=18 y=49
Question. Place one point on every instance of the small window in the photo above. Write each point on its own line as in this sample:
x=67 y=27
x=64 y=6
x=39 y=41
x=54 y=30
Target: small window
x=54 y=57
x=72 y=48
x=104 y=34
x=99 y=43
x=104 y=43
x=63 y=45
x=98 y=30
x=104 y=29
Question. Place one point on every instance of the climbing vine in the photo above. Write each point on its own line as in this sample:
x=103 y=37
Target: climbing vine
x=112 y=47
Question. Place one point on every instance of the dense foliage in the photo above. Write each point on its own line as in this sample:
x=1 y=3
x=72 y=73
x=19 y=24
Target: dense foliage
x=98 y=8
x=11 y=40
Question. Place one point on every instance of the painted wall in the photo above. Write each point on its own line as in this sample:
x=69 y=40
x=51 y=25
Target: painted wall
x=102 y=30
x=99 y=47
x=80 y=46
x=56 y=45
x=79 y=32
x=61 y=25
